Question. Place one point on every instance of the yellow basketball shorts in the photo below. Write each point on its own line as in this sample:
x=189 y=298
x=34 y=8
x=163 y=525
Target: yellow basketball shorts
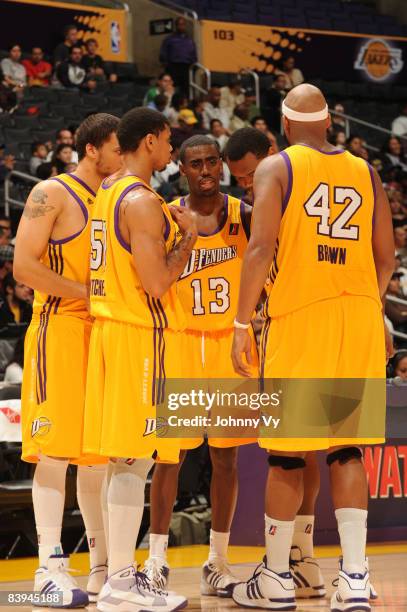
x=128 y=367
x=208 y=357
x=341 y=337
x=53 y=390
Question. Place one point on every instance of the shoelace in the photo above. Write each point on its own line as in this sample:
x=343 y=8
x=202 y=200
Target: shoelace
x=154 y=570
x=63 y=576
x=143 y=582
x=221 y=567
x=256 y=573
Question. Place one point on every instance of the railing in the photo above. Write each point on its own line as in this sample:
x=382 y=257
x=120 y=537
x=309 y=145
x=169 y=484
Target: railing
x=256 y=79
x=9 y=183
x=194 y=86
x=397 y=300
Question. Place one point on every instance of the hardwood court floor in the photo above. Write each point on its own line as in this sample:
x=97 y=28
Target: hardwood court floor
x=388 y=571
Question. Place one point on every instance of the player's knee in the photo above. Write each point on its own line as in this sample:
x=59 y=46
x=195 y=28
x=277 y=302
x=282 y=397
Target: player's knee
x=223 y=459
x=343 y=455
x=286 y=462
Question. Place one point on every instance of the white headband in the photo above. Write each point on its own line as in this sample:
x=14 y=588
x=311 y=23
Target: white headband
x=296 y=116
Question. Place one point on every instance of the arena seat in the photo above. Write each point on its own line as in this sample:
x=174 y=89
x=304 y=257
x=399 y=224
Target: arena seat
x=31 y=122
x=12 y=134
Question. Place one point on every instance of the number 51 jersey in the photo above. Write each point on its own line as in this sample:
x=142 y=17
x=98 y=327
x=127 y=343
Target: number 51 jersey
x=324 y=246
x=208 y=288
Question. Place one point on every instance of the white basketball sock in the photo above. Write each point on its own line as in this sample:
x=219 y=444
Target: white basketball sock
x=218 y=545
x=352 y=527
x=125 y=500
x=89 y=485
x=279 y=536
x=48 y=492
x=158 y=546
x=304 y=534
x=103 y=498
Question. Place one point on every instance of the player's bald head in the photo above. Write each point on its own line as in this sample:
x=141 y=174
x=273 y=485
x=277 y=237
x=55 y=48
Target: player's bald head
x=305 y=99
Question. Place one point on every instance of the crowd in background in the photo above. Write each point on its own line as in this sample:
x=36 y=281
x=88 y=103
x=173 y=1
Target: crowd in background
x=220 y=113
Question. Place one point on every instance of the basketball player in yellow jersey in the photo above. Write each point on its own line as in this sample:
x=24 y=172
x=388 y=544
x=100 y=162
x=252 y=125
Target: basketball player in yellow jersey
x=135 y=262
x=52 y=256
x=316 y=200
x=208 y=291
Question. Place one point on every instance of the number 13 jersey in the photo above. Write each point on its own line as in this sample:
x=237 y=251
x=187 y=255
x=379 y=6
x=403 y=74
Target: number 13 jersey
x=209 y=286
x=324 y=246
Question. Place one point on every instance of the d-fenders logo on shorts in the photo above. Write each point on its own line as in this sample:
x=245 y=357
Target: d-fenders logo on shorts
x=40 y=427
x=379 y=60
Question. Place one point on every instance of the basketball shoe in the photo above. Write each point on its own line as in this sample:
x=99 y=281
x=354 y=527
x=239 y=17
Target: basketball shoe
x=96 y=580
x=308 y=580
x=373 y=593
x=266 y=589
x=131 y=591
x=157 y=571
x=56 y=578
x=352 y=594
x=217 y=579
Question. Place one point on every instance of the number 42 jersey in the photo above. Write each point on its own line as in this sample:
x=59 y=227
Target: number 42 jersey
x=208 y=288
x=324 y=246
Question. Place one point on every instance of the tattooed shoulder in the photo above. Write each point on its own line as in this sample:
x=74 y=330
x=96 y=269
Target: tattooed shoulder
x=38 y=206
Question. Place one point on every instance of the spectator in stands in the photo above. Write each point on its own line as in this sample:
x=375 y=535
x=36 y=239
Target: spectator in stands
x=273 y=98
x=72 y=74
x=240 y=118
x=94 y=64
x=64 y=136
x=177 y=53
x=212 y=109
x=14 y=369
x=38 y=70
x=16 y=306
x=8 y=98
x=399 y=125
x=397 y=313
x=292 y=75
x=178 y=103
x=46 y=170
x=166 y=182
x=340 y=140
x=14 y=73
x=198 y=109
x=165 y=85
x=6 y=163
x=396 y=206
x=160 y=104
x=5 y=231
x=250 y=101
x=6 y=261
x=62 y=51
x=259 y=123
x=218 y=133
x=399 y=363
x=393 y=154
x=39 y=154
x=62 y=157
x=355 y=145
x=398 y=267
x=187 y=123
x=231 y=96
x=339 y=123
x=400 y=238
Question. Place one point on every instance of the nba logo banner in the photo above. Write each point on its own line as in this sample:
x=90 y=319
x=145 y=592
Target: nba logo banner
x=92 y=542
x=233 y=229
x=273 y=529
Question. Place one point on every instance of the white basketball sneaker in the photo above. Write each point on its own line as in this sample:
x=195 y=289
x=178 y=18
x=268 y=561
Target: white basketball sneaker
x=352 y=594
x=266 y=589
x=55 y=578
x=96 y=580
x=131 y=591
x=217 y=579
x=157 y=571
x=373 y=593
x=308 y=580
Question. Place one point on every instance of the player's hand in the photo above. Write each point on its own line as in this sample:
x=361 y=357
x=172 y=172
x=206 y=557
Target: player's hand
x=389 y=343
x=242 y=345
x=185 y=219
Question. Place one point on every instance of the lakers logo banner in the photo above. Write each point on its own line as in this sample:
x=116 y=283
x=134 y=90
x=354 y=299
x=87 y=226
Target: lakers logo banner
x=34 y=23
x=230 y=47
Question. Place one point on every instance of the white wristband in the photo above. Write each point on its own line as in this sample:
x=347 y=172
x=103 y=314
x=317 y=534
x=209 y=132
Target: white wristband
x=241 y=325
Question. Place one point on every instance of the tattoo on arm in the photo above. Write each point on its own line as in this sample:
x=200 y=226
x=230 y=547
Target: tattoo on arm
x=40 y=208
x=178 y=256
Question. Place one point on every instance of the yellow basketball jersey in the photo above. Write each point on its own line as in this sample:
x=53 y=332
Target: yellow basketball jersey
x=324 y=246
x=116 y=291
x=209 y=286
x=69 y=256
